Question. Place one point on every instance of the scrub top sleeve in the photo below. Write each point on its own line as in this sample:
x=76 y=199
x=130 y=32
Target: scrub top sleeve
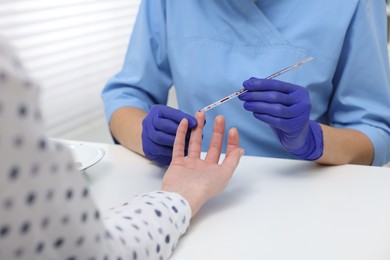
x=145 y=78
x=362 y=84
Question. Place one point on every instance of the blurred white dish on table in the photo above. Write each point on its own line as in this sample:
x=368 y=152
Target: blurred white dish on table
x=86 y=155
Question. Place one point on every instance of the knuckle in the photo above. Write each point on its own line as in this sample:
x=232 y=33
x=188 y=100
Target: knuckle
x=154 y=108
x=280 y=110
x=273 y=97
x=157 y=106
x=155 y=121
x=160 y=138
x=279 y=84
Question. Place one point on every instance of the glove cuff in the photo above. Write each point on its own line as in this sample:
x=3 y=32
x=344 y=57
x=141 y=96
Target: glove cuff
x=314 y=146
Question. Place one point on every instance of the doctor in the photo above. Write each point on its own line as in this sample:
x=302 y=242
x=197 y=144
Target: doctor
x=334 y=110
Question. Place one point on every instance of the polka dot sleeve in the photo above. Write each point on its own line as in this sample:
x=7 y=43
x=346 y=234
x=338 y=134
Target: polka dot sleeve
x=45 y=208
x=155 y=221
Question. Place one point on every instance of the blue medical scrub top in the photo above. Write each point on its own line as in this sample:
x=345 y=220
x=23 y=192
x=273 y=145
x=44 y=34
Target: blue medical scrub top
x=207 y=48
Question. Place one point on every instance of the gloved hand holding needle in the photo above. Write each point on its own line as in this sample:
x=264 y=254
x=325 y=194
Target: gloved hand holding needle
x=286 y=109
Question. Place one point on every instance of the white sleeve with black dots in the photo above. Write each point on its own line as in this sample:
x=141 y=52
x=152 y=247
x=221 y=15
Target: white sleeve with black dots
x=45 y=208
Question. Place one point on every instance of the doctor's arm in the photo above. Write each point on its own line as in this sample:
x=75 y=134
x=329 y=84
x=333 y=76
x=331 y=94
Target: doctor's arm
x=359 y=131
x=286 y=109
x=358 y=114
x=133 y=98
x=342 y=146
x=126 y=127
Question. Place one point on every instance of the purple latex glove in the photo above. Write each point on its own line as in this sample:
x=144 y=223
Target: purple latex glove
x=159 y=132
x=286 y=108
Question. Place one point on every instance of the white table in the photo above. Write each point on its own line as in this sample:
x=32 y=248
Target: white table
x=273 y=209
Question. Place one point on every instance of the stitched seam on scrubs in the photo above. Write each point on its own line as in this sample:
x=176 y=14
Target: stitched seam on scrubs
x=235 y=46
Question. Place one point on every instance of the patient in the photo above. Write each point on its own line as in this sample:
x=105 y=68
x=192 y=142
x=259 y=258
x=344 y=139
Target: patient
x=46 y=211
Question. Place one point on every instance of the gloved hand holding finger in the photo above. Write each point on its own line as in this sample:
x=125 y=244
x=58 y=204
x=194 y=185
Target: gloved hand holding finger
x=159 y=130
x=286 y=108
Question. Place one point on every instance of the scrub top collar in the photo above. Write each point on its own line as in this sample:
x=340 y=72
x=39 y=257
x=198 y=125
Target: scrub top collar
x=257 y=18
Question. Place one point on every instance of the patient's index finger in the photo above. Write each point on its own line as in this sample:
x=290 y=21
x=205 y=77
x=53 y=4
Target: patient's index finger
x=195 y=145
x=180 y=140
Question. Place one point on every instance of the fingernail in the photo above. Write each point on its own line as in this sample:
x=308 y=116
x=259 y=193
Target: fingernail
x=242 y=96
x=192 y=123
x=242 y=152
x=246 y=83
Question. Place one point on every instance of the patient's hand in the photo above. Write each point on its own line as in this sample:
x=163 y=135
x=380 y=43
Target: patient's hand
x=199 y=180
